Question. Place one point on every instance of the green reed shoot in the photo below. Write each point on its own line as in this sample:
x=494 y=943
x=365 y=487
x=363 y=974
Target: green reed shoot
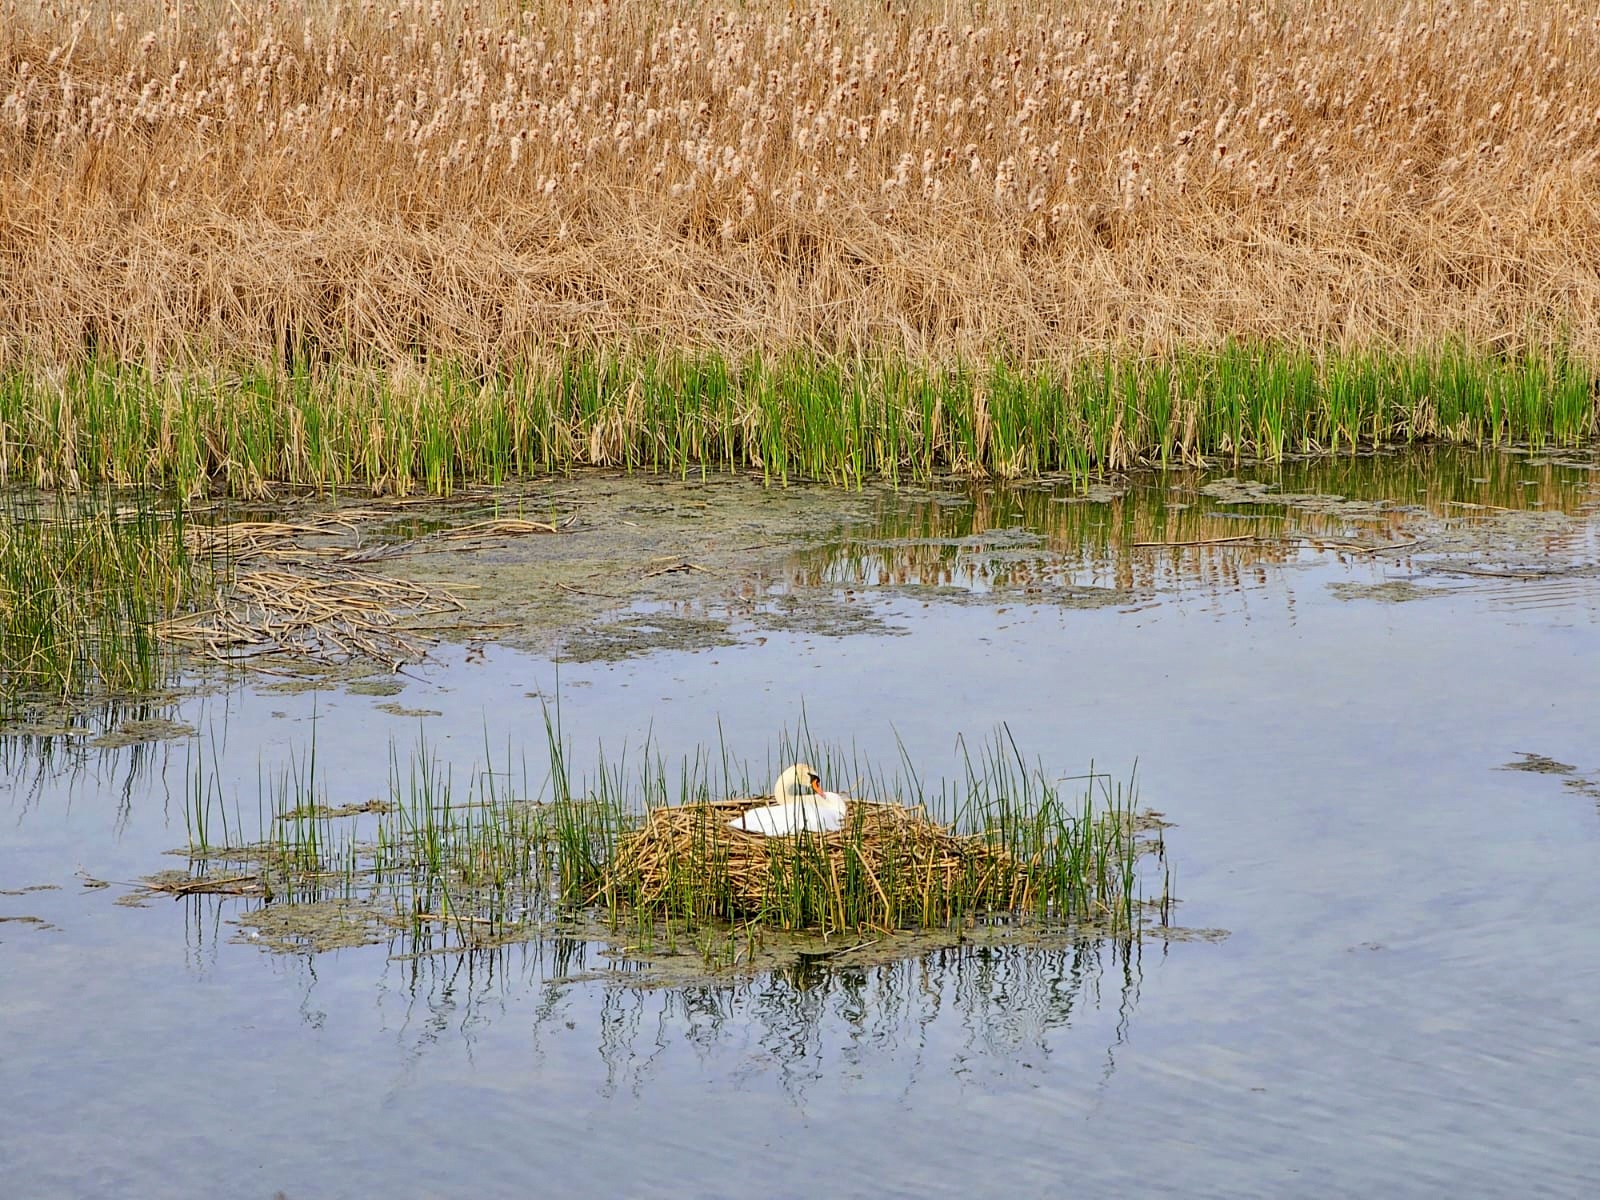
x=333 y=426
x=492 y=857
x=83 y=585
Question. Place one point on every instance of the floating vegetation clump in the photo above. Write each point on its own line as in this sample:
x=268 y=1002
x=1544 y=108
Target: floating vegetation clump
x=303 y=589
x=496 y=865
x=891 y=865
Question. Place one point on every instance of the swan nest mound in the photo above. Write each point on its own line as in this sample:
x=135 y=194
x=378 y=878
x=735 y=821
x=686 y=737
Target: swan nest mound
x=889 y=865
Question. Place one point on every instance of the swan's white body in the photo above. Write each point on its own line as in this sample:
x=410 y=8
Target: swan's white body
x=798 y=803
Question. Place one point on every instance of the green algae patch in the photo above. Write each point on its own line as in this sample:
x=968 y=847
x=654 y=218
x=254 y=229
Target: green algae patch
x=319 y=926
x=28 y=921
x=1582 y=782
x=375 y=687
x=1391 y=591
x=135 y=732
x=1539 y=764
x=400 y=710
x=632 y=636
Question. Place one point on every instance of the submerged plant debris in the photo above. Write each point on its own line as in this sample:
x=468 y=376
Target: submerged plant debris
x=304 y=588
x=1585 y=783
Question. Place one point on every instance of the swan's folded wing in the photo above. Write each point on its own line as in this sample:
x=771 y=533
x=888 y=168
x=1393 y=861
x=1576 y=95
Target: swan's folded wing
x=772 y=820
x=781 y=820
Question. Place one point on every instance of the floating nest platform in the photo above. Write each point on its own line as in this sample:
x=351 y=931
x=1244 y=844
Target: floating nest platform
x=889 y=866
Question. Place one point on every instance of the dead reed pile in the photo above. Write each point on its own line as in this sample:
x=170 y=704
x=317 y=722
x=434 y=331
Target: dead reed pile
x=394 y=183
x=889 y=866
x=306 y=588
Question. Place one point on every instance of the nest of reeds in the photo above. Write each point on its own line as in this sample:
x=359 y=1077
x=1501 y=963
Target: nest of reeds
x=889 y=866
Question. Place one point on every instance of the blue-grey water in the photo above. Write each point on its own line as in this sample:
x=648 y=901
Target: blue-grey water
x=1404 y=1006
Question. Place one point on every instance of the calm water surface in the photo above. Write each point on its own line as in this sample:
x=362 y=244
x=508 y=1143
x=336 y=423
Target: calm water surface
x=1404 y=1004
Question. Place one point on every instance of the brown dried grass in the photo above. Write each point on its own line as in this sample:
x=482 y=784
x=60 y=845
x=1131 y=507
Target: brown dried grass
x=183 y=181
x=306 y=589
x=887 y=865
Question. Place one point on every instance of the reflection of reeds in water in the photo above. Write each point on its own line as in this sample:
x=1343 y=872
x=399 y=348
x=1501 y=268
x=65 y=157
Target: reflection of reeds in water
x=1181 y=525
x=1000 y=1001
x=113 y=747
x=492 y=863
x=1034 y=541
x=82 y=586
x=1008 y=1002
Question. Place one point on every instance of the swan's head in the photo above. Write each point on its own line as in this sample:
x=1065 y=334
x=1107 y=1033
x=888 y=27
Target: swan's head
x=796 y=782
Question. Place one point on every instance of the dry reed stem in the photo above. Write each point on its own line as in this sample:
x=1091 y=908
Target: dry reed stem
x=889 y=841
x=284 y=596
x=184 y=182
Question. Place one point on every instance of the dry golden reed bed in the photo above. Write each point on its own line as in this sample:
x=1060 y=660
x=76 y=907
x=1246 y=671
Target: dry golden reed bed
x=193 y=180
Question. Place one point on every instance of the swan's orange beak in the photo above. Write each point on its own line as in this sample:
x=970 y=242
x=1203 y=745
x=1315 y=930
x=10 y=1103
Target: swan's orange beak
x=816 y=784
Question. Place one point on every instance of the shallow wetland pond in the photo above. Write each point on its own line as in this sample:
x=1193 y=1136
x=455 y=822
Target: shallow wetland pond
x=1362 y=693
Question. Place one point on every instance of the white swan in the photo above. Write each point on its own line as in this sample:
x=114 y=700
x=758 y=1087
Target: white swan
x=798 y=803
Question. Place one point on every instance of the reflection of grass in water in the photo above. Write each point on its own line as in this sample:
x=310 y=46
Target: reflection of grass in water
x=82 y=586
x=482 y=856
x=981 y=988
x=1037 y=534
x=790 y=417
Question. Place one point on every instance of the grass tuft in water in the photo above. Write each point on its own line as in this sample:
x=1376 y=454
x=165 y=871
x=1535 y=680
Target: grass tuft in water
x=480 y=853
x=83 y=585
